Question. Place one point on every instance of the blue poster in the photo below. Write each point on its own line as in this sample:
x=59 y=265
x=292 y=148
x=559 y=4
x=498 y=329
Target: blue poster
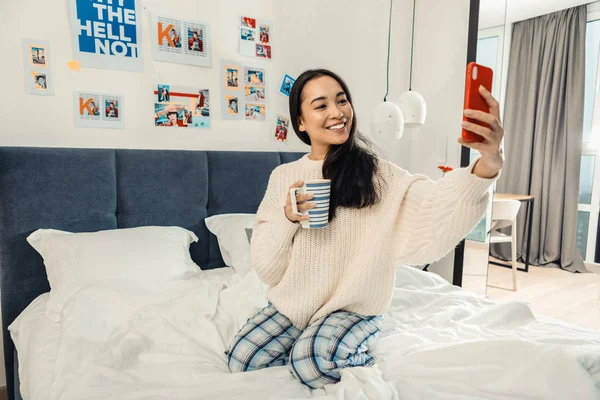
x=106 y=34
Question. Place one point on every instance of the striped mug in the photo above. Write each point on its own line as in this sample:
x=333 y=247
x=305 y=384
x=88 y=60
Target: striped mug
x=318 y=216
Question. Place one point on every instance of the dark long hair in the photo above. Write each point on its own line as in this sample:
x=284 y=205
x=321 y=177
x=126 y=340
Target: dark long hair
x=351 y=166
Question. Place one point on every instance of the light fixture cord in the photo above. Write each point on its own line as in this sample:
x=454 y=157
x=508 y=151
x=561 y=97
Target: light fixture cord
x=412 y=44
x=387 y=79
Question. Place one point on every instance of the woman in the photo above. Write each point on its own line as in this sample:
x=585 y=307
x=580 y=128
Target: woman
x=175 y=38
x=328 y=288
x=163 y=95
x=94 y=108
x=172 y=118
x=40 y=82
x=200 y=102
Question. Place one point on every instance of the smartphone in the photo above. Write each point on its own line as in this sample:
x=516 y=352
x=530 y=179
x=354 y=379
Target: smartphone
x=477 y=75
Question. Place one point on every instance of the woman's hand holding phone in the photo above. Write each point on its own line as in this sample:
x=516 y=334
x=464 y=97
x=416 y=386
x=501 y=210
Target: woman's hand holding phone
x=492 y=158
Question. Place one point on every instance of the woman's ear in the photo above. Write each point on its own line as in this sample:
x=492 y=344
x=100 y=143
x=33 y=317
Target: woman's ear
x=301 y=124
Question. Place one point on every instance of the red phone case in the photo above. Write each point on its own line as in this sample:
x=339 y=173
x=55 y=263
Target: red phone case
x=474 y=100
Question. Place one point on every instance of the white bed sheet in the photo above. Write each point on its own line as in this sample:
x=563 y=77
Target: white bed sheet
x=438 y=342
x=36 y=338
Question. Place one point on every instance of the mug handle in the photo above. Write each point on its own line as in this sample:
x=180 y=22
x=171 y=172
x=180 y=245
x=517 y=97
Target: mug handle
x=294 y=204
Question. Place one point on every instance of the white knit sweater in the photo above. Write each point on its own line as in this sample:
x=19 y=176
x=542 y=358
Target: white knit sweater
x=350 y=265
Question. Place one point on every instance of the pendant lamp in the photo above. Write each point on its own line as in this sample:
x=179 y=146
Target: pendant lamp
x=387 y=120
x=412 y=103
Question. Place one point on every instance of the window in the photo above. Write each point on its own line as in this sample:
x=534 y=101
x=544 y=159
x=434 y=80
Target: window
x=591 y=108
x=583 y=228
x=589 y=180
x=586 y=179
x=487 y=54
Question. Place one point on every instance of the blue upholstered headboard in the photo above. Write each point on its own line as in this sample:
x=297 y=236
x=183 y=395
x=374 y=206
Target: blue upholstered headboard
x=86 y=190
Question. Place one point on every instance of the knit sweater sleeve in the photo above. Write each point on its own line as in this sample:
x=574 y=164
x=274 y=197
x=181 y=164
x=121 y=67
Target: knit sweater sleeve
x=273 y=233
x=435 y=215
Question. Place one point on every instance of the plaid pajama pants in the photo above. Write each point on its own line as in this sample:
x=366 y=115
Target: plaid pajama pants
x=315 y=356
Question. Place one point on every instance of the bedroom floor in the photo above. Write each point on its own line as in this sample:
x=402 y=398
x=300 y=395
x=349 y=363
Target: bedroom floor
x=574 y=298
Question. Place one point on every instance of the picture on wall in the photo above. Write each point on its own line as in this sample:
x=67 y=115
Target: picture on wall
x=244 y=93
x=36 y=61
x=247 y=34
x=286 y=85
x=248 y=22
x=180 y=41
x=263 y=51
x=98 y=110
x=111 y=108
x=281 y=129
x=254 y=76
x=255 y=93
x=255 y=112
x=106 y=34
x=181 y=107
x=264 y=34
x=38 y=55
x=168 y=34
x=255 y=37
x=232 y=74
x=40 y=81
x=232 y=105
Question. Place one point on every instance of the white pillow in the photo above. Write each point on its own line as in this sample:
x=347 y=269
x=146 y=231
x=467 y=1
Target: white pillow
x=234 y=243
x=141 y=257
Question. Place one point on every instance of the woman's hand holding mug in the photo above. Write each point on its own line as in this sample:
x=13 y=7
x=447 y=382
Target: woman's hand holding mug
x=302 y=204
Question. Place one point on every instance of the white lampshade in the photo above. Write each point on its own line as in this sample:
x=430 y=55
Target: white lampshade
x=414 y=109
x=387 y=121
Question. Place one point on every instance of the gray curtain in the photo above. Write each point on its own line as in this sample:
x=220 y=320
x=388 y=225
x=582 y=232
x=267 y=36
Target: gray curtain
x=543 y=120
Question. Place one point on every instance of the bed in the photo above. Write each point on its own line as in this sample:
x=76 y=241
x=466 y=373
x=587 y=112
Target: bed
x=438 y=341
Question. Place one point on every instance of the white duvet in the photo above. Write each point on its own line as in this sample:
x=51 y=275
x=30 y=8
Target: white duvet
x=438 y=342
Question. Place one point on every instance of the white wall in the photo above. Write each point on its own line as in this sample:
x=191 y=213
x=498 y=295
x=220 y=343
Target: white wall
x=492 y=13
x=440 y=68
x=346 y=36
x=52 y=122
x=349 y=37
